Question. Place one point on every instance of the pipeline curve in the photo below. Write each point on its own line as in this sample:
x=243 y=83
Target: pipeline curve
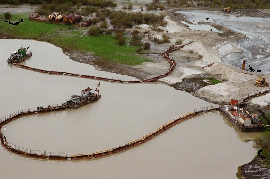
x=165 y=55
x=26 y=152
x=260 y=93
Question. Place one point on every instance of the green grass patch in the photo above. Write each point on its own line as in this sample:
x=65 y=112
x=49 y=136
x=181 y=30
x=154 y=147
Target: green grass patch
x=265 y=118
x=28 y=29
x=214 y=80
x=266 y=153
x=104 y=46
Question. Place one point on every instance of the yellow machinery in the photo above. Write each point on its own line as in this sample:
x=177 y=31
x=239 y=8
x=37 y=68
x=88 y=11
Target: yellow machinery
x=260 y=82
x=227 y=9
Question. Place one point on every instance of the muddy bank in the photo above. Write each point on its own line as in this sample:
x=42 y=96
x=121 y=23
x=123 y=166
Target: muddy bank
x=256 y=169
x=193 y=83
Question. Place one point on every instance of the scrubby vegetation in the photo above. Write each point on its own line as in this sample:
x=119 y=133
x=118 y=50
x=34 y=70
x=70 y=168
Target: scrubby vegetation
x=146 y=46
x=178 y=42
x=127 y=20
x=265 y=118
x=90 y=6
x=155 y=5
x=94 y=31
x=165 y=39
x=213 y=80
x=264 y=142
x=234 y=4
x=7 y=15
x=98 y=3
x=136 y=38
x=120 y=38
x=46 y=8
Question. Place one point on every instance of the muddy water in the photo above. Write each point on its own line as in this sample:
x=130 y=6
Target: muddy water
x=204 y=147
x=255 y=48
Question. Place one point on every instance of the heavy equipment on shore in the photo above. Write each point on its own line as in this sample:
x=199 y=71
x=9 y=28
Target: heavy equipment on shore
x=227 y=9
x=260 y=82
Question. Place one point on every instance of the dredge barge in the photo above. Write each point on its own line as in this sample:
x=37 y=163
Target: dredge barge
x=243 y=119
x=87 y=96
x=21 y=55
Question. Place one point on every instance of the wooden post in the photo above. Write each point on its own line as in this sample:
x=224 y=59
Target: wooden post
x=244 y=65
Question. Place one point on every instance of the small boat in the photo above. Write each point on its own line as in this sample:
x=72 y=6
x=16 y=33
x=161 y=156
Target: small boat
x=21 y=55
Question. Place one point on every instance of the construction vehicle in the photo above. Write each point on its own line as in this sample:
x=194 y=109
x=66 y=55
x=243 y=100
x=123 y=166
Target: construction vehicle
x=227 y=9
x=260 y=82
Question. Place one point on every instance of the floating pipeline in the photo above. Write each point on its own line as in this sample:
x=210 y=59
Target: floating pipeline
x=260 y=93
x=26 y=152
x=165 y=55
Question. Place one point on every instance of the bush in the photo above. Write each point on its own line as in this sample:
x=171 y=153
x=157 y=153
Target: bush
x=121 y=41
x=264 y=140
x=157 y=40
x=95 y=21
x=156 y=28
x=121 y=19
x=118 y=35
x=94 y=31
x=101 y=3
x=165 y=38
x=134 y=32
x=104 y=24
x=146 y=46
x=7 y=15
x=140 y=49
x=130 y=6
x=102 y=17
x=40 y=11
x=136 y=38
x=90 y=9
x=178 y=42
x=161 y=7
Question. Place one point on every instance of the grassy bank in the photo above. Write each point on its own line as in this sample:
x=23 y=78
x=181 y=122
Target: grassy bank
x=213 y=80
x=264 y=142
x=71 y=38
